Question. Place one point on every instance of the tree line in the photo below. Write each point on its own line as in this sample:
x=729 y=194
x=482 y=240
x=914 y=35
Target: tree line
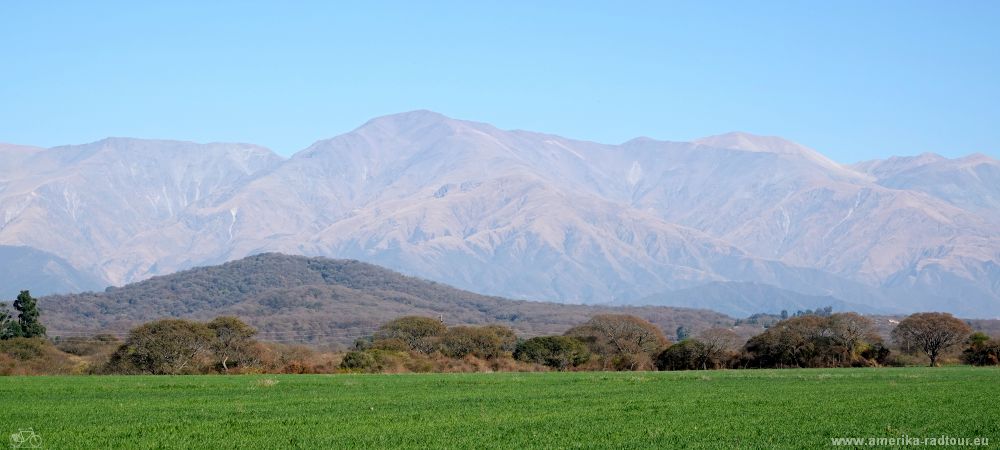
x=424 y=344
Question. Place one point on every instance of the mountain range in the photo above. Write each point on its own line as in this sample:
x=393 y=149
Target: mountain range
x=524 y=215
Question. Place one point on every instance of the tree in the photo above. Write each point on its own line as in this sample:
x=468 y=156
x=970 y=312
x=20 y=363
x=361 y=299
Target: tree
x=169 y=346
x=682 y=333
x=622 y=341
x=27 y=316
x=852 y=331
x=981 y=350
x=7 y=324
x=557 y=352
x=716 y=345
x=359 y=361
x=683 y=355
x=932 y=333
x=233 y=341
x=419 y=333
x=485 y=342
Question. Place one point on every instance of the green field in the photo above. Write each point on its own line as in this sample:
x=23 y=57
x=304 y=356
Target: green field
x=724 y=409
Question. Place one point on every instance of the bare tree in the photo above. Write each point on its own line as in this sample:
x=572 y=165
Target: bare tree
x=932 y=333
x=715 y=344
x=851 y=330
x=622 y=340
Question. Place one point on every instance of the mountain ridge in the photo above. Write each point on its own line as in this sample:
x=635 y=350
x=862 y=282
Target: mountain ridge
x=520 y=213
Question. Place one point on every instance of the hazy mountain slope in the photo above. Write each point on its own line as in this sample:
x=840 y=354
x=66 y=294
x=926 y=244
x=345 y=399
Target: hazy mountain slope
x=742 y=299
x=516 y=213
x=120 y=207
x=508 y=213
x=322 y=300
x=791 y=205
x=42 y=273
x=971 y=183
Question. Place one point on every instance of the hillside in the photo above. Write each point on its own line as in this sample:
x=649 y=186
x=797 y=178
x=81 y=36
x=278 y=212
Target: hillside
x=319 y=300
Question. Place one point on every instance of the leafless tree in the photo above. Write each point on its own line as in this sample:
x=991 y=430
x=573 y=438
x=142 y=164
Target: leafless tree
x=715 y=344
x=932 y=333
x=631 y=340
x=852 y=329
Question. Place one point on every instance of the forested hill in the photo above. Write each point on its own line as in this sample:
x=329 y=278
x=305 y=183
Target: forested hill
x=320 y=300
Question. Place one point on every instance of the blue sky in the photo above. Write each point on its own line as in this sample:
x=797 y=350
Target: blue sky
x=855 y=80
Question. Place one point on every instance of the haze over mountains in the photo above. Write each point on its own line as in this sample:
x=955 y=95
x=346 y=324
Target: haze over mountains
x=527 y=215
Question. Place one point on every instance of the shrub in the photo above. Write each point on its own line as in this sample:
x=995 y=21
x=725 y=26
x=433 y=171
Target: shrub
x=558 y=352
x=359 y=362
x=981 y=351
x=170 y=346
x=419 y=333
x=484 y=342
x=623 y=342
x=683 y=355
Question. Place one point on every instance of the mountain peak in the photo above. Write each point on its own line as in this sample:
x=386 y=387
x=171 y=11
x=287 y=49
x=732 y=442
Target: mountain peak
x=748 y=142
x=738 y=140
x=407 y=120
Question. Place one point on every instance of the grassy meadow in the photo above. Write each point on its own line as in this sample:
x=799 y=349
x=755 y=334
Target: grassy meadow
x=718 y=409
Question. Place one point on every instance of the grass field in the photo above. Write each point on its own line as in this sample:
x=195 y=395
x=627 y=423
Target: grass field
x=725 y=409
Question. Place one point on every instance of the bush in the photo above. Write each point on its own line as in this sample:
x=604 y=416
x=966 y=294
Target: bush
x=622 y=342
x=419 y=333
x=557 y=352
x=981 y=351
x=36 y=356
x=393 y=344
x=170 y=346
x=359 y=362
x=484 y=342
x=24 y=349
x=684 y=355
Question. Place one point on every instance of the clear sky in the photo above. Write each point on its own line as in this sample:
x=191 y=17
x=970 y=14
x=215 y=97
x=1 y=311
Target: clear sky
x=855 y=80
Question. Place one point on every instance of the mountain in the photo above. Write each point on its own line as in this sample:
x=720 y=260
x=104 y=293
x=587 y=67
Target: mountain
x=43 y=273
x=971 y=183
x=320 y=300
x=523 y=214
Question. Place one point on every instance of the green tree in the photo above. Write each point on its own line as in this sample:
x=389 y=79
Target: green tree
x=169 y=346
x=684 y=355
x=359 y=361
x=682 y=333
x=485 y=342
x=233 y=342
x=558 y=352
x=28 y=324
x=420 y=333
x=982 y=351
